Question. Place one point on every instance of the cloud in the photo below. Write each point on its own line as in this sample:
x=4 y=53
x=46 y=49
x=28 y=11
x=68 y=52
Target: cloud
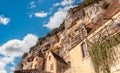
x=67 y=2
x=32 y=4
x=60 y=14
x=3 y=71
x=57 y=18
x=7 y=60
x=2 y=65
x=4 y=20
x=4 y=61
x=64 y=3
x=12 y=69
x=41 y=14
x=15 y=47
x=57 y=4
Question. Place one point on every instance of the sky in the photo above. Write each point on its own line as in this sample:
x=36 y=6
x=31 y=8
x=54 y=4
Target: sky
x=22 y=22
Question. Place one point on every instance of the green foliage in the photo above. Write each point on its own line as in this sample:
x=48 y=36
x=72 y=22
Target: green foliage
x=41 y=40
x=31 y=49
x=24 y=55
x=85 y=3
x=105 y=5
x=56 y=30
x=102 y=54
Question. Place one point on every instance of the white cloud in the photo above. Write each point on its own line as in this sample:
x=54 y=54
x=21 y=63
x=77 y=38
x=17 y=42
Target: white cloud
x=67 y=2
x=64 y=3
x=12 y=69
x=15 y=47
x=2 y=65
x=41 y=14
x=4 y=20
x=60 y=15
x=32 y=4
x=3 y=71
x=56 y=4
x=7 y=60
x=4 y=61
x=57 y=18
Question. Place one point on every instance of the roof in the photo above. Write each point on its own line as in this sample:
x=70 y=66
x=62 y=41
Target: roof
x=30 y=71
x=58 y=58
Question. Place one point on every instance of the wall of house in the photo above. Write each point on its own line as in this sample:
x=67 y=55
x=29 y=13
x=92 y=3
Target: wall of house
x=49 y=61
x=27 y=65
x=38 y=63
x=115 y=68
x=80 y=64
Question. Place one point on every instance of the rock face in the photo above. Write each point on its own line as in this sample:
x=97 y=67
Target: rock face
x=88 y=13
x=77 y=26
x=94 y=13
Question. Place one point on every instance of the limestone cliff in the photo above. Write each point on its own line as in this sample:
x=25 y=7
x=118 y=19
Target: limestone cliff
x=75 y=27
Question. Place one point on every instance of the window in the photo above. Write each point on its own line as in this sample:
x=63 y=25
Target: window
x=35 y=66
x=49 y=57
x=84 y=49
x=36 y=59
x=51 y=66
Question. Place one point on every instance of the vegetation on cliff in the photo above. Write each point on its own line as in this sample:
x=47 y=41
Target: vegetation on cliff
x=105 y=5
x=103 y=55
x=41 y=40
x=84 y=4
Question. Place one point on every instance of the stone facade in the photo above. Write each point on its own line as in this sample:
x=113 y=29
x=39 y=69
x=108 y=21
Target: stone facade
x=54 y=63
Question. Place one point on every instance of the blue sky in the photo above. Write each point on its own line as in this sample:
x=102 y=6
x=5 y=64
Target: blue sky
x=22 y=22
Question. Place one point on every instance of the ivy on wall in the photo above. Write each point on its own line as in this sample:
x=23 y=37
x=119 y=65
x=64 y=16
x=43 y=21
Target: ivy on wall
x=103 y=55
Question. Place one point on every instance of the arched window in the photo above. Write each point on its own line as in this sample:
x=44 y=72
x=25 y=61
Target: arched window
x=84 y=49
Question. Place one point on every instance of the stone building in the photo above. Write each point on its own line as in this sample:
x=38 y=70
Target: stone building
x=80 y=59
x=88 y=31
x=54 y=63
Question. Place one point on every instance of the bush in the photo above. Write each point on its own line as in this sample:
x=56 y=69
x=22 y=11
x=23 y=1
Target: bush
x=24 y=55
x=105 y=5
x=85 y=3
x=103 y=55
x=41 y=40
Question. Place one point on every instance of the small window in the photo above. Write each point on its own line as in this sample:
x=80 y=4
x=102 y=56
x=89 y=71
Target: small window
x=49 y=57
x=36 y=59
x=51 y=66
x=35 y=66
x=84 y=49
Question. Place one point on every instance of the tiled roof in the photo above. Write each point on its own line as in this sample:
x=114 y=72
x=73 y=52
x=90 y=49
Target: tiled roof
x=58 y=58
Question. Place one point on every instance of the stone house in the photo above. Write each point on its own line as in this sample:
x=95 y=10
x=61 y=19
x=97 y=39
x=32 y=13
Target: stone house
x=34 y=63
x=54 y=63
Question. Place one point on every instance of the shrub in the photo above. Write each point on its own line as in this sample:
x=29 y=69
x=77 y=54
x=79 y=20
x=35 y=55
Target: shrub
x=105 y=5
x=103 y=55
